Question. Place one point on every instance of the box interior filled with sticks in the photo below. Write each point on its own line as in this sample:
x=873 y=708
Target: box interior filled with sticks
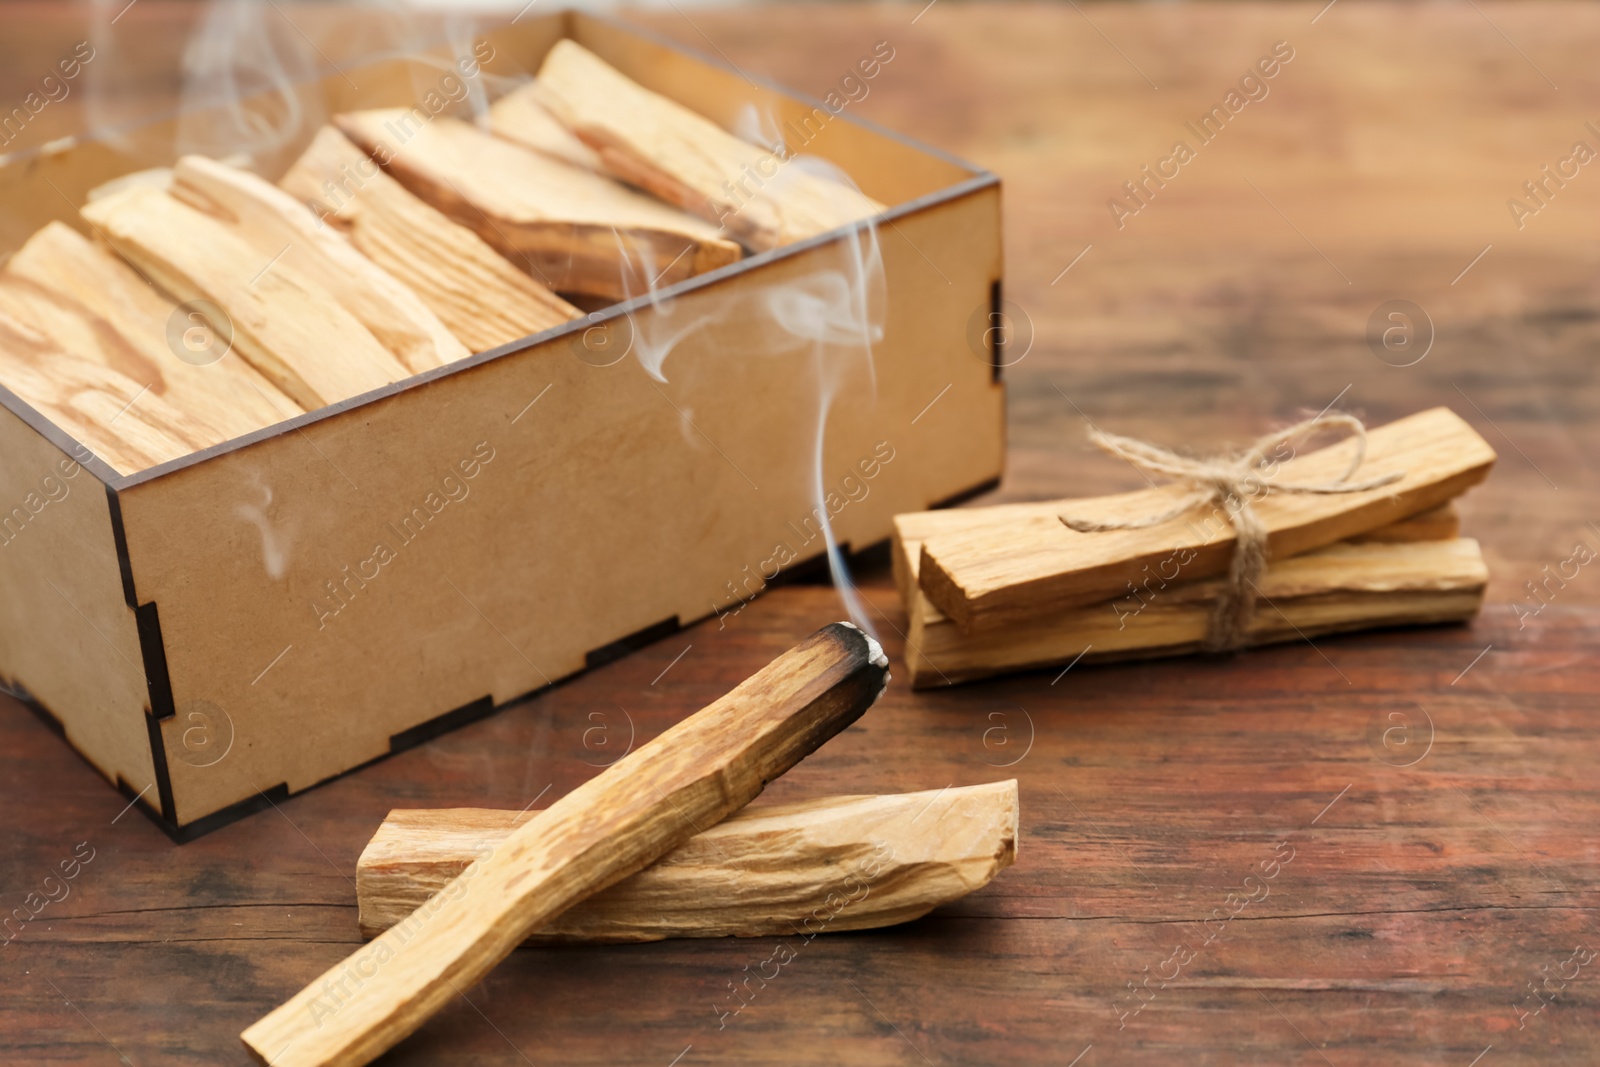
x=344 y=413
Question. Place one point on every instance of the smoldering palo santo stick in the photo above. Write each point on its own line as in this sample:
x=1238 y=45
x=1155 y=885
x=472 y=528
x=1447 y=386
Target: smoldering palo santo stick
x=764 y=871
x=692 y=776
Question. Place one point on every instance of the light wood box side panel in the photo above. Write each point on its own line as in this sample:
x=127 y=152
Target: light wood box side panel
x=67 y=635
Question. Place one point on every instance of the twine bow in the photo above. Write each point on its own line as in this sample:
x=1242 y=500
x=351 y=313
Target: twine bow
x=1232 y=481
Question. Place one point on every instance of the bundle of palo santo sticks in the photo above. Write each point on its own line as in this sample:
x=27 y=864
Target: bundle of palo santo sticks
x=641 y=852
x=1016 y=586
x=398 y=243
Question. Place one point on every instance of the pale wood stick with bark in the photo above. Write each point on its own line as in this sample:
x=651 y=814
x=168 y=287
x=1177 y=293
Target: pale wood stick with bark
x=483 y=299
x=692 y=776
x=95 y=305
x=761 y=197
x=577 y=231
x=113 y=416
x=762 y=871
x=287 y=327
x=989 y=578
x=276 y=224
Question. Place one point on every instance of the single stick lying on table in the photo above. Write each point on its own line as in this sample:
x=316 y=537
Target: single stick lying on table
x=1003 y=575
x=577 y=232
x=684 y=158
x=639 y=809
x=276 y=224
x=90 y=302
x=288 y=328
x=475 y=292
x=763 y=871
x=1337 y=588
x=112 y=415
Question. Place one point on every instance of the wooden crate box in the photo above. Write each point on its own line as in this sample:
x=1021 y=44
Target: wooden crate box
x=263 y=615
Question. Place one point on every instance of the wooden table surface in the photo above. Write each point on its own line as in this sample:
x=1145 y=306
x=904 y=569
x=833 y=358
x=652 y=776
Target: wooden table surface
x=1421 y=796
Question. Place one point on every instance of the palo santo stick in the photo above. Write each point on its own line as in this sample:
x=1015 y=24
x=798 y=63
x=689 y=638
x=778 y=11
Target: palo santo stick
x=1000 y=576
x=475 y=292
x=75 y=329
x=59 y=321
x=519 y=117
x=763 y=871
x=115 y=417
x=1442 y=523
x=276 y=224
x=578 y=232
x=287 y=327
x=122 y=321
x=637 y=810
x=685 y=159
x=1337 y=588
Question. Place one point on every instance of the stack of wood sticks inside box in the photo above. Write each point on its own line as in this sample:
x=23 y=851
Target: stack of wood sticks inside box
x=1012 y=587
x=193 y=305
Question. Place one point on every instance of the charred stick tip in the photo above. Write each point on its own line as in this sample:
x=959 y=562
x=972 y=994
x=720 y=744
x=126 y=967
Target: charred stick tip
x=851 y=634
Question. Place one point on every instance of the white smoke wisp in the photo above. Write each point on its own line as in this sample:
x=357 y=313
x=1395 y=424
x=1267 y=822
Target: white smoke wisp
x=238 y=51
x=842 y=314
x=248 y=70
x=828 y=322
x=276 y=540
x=759 y=128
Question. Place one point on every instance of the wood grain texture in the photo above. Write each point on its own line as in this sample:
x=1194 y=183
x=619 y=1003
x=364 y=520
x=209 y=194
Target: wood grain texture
x=1148 y=792
x=1437 y=524
x=276 y=224
x=112 y=415
x=60 y=322
x=757 y=194
x=111 y=314
x=1418 y=905
x=286 y=326
x=576 y=231
x=1006 y=575
x=1334 y=589
x=476 y=292
x=642 y=807
x=912 y=528
x=519 y=116
x=843 y=863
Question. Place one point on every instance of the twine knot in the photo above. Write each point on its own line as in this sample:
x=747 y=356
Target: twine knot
x=1233 y=481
